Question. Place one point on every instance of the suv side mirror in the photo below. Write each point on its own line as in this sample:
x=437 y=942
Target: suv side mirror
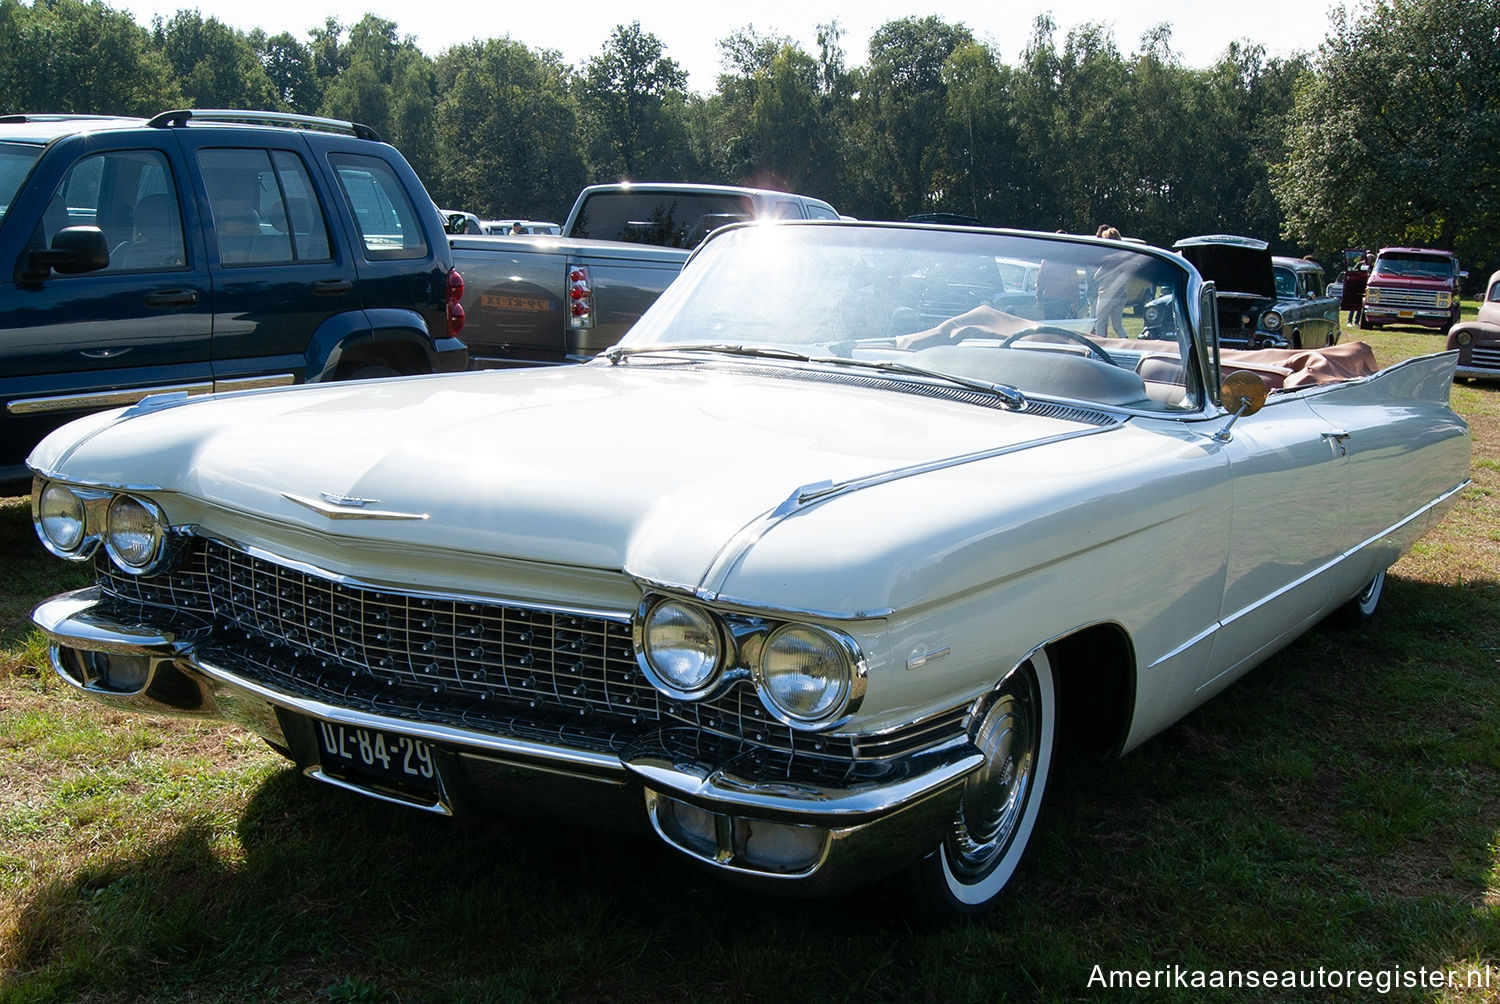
x=74 y=250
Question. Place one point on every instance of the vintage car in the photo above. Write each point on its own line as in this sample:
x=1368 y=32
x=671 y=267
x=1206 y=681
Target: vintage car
x=1478 y=341
x=1265 y=301
x=815 y=601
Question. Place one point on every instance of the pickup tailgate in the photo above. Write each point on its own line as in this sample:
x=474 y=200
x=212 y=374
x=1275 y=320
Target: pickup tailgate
x=518 y=295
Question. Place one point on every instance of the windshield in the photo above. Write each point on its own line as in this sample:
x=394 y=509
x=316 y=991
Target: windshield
x=1415 y=266
x=1067 y=318
x=15 y=164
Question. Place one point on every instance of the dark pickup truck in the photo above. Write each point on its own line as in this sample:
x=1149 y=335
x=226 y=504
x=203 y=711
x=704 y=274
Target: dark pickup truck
x=204 y=251
x=544 y=300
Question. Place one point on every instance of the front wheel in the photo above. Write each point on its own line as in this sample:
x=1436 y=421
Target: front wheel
x=989 y=833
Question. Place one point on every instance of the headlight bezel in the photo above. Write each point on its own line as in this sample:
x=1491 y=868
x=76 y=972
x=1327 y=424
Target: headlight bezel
x=849 y=685
x=1271 y=320
x=649 y=651
x=155 y=550
x=92 y=503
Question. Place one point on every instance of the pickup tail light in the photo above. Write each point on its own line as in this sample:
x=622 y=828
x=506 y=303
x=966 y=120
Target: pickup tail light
x=580 y=298
x=453 y=291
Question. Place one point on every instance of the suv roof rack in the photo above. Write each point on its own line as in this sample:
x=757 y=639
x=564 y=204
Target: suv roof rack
x=180 y=117
x=16 y=117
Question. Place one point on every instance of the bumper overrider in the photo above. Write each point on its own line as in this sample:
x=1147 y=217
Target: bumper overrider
x=728 y=804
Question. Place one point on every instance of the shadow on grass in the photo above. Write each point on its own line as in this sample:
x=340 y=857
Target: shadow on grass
x=1337 y=808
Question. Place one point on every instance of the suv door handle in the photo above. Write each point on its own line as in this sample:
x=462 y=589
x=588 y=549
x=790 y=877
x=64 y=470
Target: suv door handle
x=332 y=287
x=172 y=298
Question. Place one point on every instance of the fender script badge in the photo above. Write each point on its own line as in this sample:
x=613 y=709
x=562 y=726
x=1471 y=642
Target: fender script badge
x=348 y=507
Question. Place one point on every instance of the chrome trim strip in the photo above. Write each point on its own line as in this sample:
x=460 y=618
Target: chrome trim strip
x=440 y=807
x=99 y=400
x=721 y=791
x=1334 y=561
x=1245 y=611
x=443 y=734
x=710 y=587
x=254 y=383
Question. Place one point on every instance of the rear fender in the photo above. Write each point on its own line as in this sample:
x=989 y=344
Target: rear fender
x=388 y=336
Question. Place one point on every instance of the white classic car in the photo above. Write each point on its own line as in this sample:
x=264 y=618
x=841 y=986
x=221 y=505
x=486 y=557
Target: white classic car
x=810 y=585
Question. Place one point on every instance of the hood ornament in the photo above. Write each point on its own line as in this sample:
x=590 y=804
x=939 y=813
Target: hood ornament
x=336 y=506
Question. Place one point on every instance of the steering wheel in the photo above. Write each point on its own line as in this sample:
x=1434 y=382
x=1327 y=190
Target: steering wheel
x=1052 y=329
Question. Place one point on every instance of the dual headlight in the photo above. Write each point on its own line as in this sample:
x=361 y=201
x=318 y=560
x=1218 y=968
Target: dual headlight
x=72 y=522
x=806 y=674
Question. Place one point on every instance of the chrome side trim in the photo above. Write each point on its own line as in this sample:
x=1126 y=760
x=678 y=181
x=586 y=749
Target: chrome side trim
x=710 y=587
x=1301 y=580
x=254 y=383
x=99 y=400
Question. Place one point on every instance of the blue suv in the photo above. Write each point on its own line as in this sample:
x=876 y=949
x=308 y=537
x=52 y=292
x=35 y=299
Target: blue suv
x=203 y=251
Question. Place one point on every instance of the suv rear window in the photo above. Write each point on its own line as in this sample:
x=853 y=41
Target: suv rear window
x=264 y=208
x=388 y=222
x=668 y=220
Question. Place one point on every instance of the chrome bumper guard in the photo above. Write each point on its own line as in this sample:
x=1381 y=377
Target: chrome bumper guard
x=718 y=813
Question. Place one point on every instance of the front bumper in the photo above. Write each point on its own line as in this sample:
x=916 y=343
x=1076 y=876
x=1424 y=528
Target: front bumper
x=730 y=813
x=1428 y=318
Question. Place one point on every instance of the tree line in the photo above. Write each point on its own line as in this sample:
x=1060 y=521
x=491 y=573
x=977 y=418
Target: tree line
x=1384 y=134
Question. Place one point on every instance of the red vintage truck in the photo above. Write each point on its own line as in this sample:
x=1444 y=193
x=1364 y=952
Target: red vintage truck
x=1413 y=286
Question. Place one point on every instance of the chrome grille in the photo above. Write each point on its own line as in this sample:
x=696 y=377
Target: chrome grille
x=1408 y=299
x=1487 y=357
x=495 y=667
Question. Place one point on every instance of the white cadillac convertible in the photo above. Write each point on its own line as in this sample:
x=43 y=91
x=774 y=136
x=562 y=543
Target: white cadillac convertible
x=813 y=574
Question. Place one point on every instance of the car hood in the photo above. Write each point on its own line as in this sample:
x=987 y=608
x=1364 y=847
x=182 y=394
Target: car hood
x=644 y=467
x=1232 y=264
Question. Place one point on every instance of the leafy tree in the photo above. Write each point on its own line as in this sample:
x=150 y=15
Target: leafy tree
x=386 y=83
x=1394 y=140
x=80 y=56
x=509 y=131
x=215 y=65
x=775 y=114
x=898 y=118
x=633 y=107
x=290 y=67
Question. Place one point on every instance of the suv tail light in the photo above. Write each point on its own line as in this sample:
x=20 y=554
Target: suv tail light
x=453 y=292
x=580 y=298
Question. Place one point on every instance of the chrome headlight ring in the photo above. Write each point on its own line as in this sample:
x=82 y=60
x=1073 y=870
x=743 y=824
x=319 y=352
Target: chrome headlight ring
x=809 y=676
x=68 y=519
x=681 y=646
x=135 y=534
x=1271 y=320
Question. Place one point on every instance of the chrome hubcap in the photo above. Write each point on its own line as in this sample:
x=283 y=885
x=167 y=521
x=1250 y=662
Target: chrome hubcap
x=995 y=796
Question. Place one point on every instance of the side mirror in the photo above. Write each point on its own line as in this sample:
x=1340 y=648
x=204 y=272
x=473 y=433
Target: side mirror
x=74 y=251
x=1242 y=394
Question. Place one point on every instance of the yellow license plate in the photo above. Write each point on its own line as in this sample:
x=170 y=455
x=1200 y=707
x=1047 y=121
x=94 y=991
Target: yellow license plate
x=531 y=303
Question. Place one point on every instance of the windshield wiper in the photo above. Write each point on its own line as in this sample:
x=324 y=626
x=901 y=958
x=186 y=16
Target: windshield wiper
x=1010 y=396
x=618 y=352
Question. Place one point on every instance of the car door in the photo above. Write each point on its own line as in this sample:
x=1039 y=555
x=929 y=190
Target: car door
x=72 y=344
x=277 y=275
x=1285 y=526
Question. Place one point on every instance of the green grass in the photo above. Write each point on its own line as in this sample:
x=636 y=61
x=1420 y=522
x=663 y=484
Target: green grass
x=1338 y=808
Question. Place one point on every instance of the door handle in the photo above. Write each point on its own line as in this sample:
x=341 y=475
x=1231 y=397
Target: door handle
x=1335 y=441
x=332 y=287
x=172 y=298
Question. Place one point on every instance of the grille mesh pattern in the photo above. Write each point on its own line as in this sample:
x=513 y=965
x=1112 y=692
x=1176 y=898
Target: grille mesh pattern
x=500 y=668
